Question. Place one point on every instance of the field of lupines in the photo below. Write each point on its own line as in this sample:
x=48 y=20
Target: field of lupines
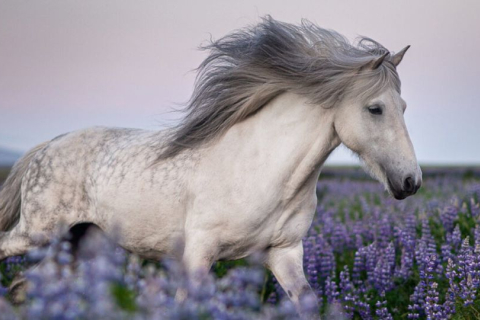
x=367 y=256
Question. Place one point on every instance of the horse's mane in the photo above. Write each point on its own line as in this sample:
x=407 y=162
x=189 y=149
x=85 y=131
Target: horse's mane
x=249 y=67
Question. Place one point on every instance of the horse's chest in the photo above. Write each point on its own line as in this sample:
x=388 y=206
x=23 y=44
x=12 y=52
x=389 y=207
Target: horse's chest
x=281 y=227
x=293 y=224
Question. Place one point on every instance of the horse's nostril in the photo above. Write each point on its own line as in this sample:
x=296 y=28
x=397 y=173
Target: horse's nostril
x=409 y=185
x=417 y=186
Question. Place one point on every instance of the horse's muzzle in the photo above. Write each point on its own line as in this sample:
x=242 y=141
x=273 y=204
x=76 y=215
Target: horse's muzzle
x=407 y=188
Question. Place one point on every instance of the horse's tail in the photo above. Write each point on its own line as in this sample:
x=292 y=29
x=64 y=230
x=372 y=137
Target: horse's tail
x=10 y=194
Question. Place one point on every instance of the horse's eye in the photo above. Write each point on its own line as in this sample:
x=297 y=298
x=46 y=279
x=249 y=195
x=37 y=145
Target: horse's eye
x=375 y=109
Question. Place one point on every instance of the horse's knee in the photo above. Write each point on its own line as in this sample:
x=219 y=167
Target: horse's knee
x=197 y=260
x=305 y=290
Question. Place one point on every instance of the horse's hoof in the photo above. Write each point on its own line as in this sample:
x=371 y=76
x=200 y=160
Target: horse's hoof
x=18 y=290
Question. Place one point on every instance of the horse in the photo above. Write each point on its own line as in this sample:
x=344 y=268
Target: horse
x=238 y=174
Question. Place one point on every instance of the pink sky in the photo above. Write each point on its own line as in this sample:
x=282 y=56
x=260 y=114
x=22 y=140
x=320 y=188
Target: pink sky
x=66 y=65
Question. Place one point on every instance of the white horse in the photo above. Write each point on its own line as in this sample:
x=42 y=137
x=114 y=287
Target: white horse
x=238 y=175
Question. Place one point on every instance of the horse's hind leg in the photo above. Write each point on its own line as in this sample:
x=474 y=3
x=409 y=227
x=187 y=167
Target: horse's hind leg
x=31 y=231
x=18 y=288
x=15 y=243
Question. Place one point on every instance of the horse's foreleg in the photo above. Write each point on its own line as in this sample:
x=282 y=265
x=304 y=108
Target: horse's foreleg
x=198 y=258
x=287 y=266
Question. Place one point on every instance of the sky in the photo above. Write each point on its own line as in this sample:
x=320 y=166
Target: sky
x=67 y=65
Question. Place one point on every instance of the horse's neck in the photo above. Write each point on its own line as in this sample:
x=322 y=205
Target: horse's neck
x=303 y=137
x=288 y=137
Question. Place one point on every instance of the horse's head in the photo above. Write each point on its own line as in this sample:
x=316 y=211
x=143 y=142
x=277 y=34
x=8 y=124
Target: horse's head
x=374 y=128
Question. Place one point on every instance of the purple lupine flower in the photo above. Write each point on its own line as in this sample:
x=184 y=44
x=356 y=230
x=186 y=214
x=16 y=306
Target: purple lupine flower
x=363 y=308
x=356 y=232
x=366 y=208
x=408 y=255
x=428 y=238
x=272 y=298
x=476 y=266
x=331 y=290
x=310 y=264
x=474 y=208
x=449 y=304
x=456 y=239
x=410 y=225
x=448 y=217
x=407 y=241
x=384 y=270
x=132 y=272
x=466 y=264
x=446 y=250
x=421 y=251
x=371 y=262
x=340 y=238
x=418 y=298
x=384 y=233
x=475 y=190
x=433 y=309
x=326 y=259
x=397 y=236
x=348 y=295
x=476 y=235
x=358 y=267
x=382 y=311
x=406 y=263
x=451 y=244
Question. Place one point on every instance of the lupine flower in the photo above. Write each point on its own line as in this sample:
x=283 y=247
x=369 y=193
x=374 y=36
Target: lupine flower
x=331 y=290
x=347 y=292
x=382 y=311
x=448 y=217
x=384 y=270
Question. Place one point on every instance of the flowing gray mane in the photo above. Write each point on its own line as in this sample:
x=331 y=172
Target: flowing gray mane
x=249 y=67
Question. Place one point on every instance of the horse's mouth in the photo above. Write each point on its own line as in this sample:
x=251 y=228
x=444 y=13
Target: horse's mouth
x=397 y=194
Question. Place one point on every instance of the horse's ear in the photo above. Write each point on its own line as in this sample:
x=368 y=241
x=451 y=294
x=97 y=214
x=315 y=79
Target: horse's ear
x=397 y=58
x=375 y=63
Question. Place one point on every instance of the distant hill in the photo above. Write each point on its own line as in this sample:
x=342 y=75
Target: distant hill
x=8 y=157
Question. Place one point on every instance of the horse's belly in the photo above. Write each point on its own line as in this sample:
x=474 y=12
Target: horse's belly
x=151 y=236
x=149 y=223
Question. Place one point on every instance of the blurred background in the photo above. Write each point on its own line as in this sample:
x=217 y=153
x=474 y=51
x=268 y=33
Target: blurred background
x=67 y=65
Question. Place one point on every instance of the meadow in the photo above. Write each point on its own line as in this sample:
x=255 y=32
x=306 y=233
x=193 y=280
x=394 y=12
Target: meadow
x=367 y=256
